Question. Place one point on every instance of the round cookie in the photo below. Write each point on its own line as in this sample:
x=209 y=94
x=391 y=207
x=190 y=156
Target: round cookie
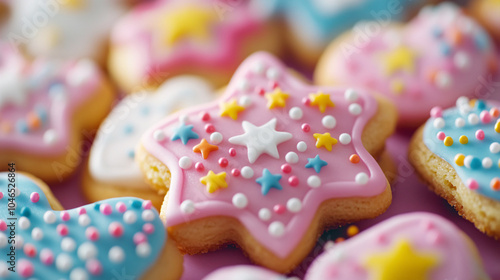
x=270 y=165
x=162 y=39
x=312 y=25
x=437 y=57
x=407 y=246
x=111 y=170
x=69 y=29
x=116 y=238
x=457 y=152
x=49 y=111
x=486 y=12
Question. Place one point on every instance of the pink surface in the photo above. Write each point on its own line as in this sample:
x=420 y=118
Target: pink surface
x=409 y=195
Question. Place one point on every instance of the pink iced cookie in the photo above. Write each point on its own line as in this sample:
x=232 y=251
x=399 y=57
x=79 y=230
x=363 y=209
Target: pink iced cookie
x=166 y=38
x=46 y=108
x=437 y=57
x=408 y=246
x=269 y=165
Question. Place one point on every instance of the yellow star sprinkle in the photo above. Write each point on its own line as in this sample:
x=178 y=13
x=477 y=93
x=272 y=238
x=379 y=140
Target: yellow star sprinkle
x=277 y=98
x=188 y=22
x=214 y=181
x=230 y=109
x=402 y=262
x=401 y=58
x=321 y=100
x=324 y=140
x=73 y=4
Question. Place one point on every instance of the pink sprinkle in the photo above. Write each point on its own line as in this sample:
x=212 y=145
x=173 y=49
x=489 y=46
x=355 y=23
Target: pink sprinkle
x=34 y=197
x=1 y=195
x=306 y=127
x=65 y=216
x=62 y=229
x=306 y=101
x=26 y=268
x=209 y=128
x=205 y=116
x=235 y=172
x=148 y=228
x=140 y=238
x=381 y=239
x=115 y=229
x=106 y=209
x=82 y=211
x=279 y=209
x=293 y=181
x=232 y=152
x=472 y=184
x=333 y=272
x=428 y=225
x=480 y=135
x=274 y=85
x=485 y=116
x=223 y=162
x=147 y=204
x=94 y=267
x=437 y=112
x=435 y=237
x=29 y=250
x=260 y=91
x=3 y=225
x=286 y=168
x=121 y=207
x=199 y=167
x=92 y=233
x=46 y=256
x=441 y=135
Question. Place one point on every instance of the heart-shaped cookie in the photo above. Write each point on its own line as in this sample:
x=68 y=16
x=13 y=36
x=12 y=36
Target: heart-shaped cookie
x=113 y=239
x=431 y=61
x=48 y=110
x=270 y=164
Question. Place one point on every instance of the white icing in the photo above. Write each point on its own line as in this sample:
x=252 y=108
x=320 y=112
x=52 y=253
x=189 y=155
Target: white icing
x=12 y=83
x=121 y=131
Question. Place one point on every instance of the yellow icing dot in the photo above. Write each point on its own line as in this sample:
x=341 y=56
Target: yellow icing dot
x=463 y=140
x=497 y=127
x=397 y=87
x=448 y=141
x=459 y=159
x=352 y=230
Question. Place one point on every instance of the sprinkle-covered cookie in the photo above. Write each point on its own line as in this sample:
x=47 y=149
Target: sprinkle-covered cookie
x=463 y=143
x=110 y=239
x=440 y=55
x=268 y=164
x=46 y=108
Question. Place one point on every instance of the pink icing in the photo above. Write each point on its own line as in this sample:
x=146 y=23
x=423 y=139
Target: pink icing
x=428 y=36
x=425 y=232
x=338 y=177
x=80 y=80
x=139 y=31
x=244 y=272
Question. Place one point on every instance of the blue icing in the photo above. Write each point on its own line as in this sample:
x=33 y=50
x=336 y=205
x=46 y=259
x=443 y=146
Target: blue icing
x=476 y=148
x=132 y=265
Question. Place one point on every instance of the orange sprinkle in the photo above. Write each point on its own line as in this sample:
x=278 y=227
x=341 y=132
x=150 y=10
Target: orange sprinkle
x=5 y=127
x=340 y=239
x=432 y=75
x=493 y=65
x=352 y=230
x=456 y=36
x=494 y=112
x=354 y=158
x=33 y=121
x=472 y=102
x=495 y=184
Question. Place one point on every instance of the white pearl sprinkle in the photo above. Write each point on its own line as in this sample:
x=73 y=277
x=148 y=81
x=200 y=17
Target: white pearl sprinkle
x=439 y=123
x=216 y=138
x=18 y=192
x=84 y=220
x=247 y=172
x=49 y=137
x=473 y=119
x=292 y=157
x=272 y=74
x=49 y=217
x=294 y=205
x=183 y=118
x=64 y=262
x=87 y=251
x=148 y=215
x=468 y=161
x=329 y=122
x=245 y=101
x=265 y=214
x=443 y=79
x=24 y=223
x=361 y=178
x=276 y=229
x=159 y=135
x=240 y=201
x=495 y=147
x=351 y=95
x=295 y=113
x=185 y=162
x=116 y=254
x=129 y=217
x=463 y=100
x=37 y=234
x=345 y=138
x=313 y=181
x=459 y=122
x=243 y=85
x=487 y=163
x=143 y=250
x=3 y=240
x=78 y=274
x=258 y=67
x=461 y=60
x=187 y=206
x=68 y=244
x=301 y=146
x=355 y=109
x=4 y=270
x=19 y=241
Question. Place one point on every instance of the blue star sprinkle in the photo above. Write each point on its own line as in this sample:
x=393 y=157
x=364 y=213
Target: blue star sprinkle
x=185 y=133
x=269 y=181
x=316 y=163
